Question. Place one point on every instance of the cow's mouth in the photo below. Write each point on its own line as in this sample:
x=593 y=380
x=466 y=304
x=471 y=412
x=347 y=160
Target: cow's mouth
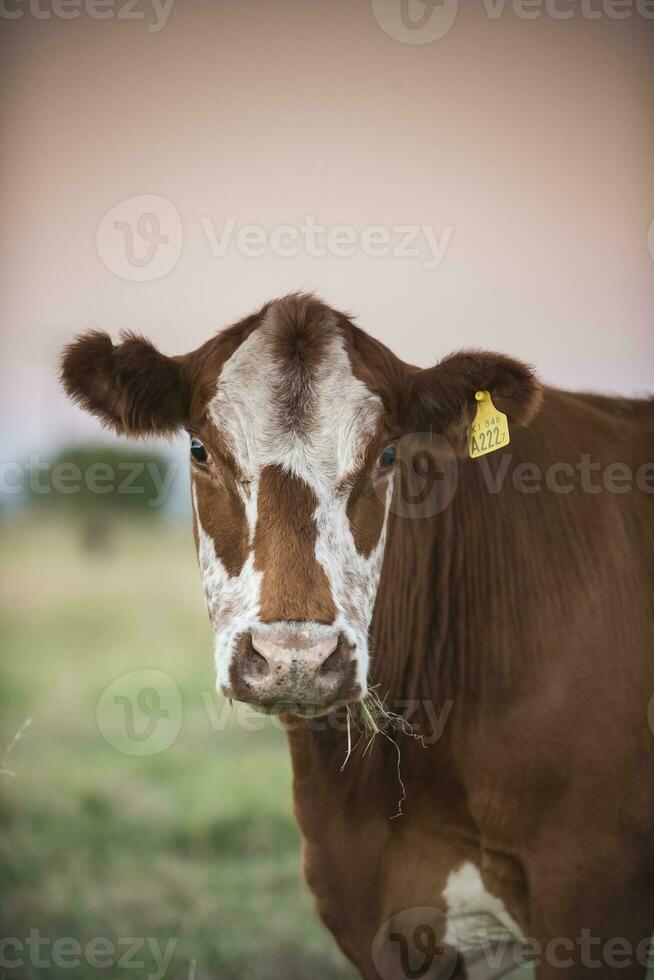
x=300 y=709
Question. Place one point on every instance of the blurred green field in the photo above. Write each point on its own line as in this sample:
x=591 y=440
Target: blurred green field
x=195 y=842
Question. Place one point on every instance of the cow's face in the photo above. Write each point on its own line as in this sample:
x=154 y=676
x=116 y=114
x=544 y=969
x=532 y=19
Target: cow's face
x=291 y=478
x=293 y=417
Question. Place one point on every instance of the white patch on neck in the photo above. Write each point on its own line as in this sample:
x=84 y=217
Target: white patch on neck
x=476 y=918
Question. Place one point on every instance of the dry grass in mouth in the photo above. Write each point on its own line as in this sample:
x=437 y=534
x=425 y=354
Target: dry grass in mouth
x=370 y=717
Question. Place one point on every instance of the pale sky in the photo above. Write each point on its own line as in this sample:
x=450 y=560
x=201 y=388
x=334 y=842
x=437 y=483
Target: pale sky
x=524 y=146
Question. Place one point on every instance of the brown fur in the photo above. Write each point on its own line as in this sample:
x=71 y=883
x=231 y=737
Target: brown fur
x=294 y=585
x=222 y=515
x=531 y=613
x=366 y=492
x=302 y=324
x=131 y=388
x=365 y=512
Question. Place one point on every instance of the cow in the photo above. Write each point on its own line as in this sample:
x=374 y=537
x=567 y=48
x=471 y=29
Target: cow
x=515 y=611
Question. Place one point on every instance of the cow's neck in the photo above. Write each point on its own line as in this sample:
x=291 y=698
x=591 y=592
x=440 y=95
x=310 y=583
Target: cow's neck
x=444 y=584
x=429 y=644
x=433 y=648
x=446 y=598
x=413 y=611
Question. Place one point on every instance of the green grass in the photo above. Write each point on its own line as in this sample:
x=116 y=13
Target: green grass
x=195 y=842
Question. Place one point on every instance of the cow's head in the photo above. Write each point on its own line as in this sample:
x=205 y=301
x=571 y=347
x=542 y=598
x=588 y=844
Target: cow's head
x=293 y=417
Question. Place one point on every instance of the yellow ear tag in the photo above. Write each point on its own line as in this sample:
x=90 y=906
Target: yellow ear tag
x=490 y=429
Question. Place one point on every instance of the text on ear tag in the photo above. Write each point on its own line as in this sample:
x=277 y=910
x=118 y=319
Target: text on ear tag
x=490 y=429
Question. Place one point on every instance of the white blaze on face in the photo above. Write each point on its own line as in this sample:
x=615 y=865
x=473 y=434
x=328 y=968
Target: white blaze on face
x=232 y=601
x=325 y=446
x=353 y=578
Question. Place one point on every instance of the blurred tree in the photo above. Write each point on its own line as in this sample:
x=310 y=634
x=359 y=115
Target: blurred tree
x=95 y=484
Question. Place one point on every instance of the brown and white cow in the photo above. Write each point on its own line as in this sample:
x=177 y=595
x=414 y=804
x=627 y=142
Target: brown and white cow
x=524 y=609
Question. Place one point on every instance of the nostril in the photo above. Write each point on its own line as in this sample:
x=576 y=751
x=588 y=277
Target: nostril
x=334 y=662
x=255 y=645
x=256 y=664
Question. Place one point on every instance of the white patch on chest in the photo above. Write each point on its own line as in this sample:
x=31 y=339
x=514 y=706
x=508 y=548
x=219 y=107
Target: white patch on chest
x=476 y=917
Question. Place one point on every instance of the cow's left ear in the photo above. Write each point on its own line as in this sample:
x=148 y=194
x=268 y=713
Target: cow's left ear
x=441 y=399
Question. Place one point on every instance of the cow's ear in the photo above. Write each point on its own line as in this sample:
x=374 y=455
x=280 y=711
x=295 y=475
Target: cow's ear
x=131 y=387
x=441 y=399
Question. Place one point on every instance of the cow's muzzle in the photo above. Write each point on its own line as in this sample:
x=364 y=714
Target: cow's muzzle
x=289 y=669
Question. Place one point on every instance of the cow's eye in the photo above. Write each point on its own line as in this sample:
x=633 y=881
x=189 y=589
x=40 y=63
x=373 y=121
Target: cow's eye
x=198 y=452
x=387 y=458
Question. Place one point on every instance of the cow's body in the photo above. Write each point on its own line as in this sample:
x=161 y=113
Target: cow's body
x=532 y=614
x=516 y=618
